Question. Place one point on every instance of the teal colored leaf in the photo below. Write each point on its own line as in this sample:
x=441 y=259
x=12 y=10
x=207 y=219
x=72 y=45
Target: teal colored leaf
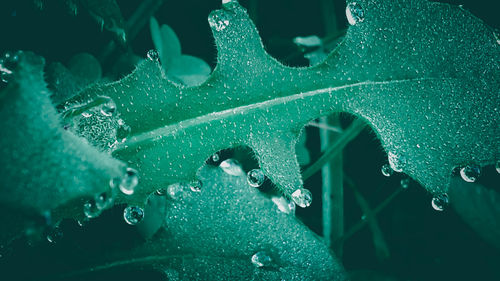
x=211 y=234
x=45 y=168
x=188 y=69
x=432 y=97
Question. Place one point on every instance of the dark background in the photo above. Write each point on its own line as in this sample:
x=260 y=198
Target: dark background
x=424 y=244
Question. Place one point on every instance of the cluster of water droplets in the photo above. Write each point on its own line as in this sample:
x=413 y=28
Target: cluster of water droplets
x=98 y=122
x=7 y=63
x=354 y=13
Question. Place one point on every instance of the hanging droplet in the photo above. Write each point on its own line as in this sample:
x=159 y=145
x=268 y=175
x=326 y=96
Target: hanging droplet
x=354 y=13
x=302 y=197
x=284 y=205
x=54 y=235
x=405 y=183
x=108 y=108
x=439 y=202
x=231 y=167
x=255 y=177
x=123 y=130
x=153 y=55
x=215 y=157
x=229 y=4
x=86 y=114
x=103 y=200
x=90 y=209
x=396 y=162
x=129 y=181
x=261 y=259
x=160 y=192
x=470 y=173
x=7 y=64
x=386 y=170
x=195 y=186
x=497 y=166
x=133 y=215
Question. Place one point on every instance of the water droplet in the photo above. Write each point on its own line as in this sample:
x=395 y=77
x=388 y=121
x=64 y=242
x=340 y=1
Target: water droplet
x=284 y=205
x=497 y=166
x=129 y=181
x=54 y=235
x=123 y=131
x=405 y=183
x=396 y=162
x=91 y=210
x=108 y=108
x=195 y=186
x=354 y=13
x=470 y=173
x=231 y=167
x=160 y=192
x=86 y=114
x=261 y=259
x=255 y=177
x=215 y=158
x=103 y=200
x=133 y=215
x=302 y=197
x=386 y=170
x=439 y=202
x=7 y=64
x=175 y=191
x=153 y=55
x=229 y=4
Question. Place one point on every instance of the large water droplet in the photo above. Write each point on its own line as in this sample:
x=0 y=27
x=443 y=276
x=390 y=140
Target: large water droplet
x=354 y=13
x=255 y=177
x=153 y=55
x=439 y=202
x=386 y=170
x=284 y=205
x=261 y=259
x=129 y=181
x=302 y=197
x=396 y=162
x=231 y=167
x=405 y=183
x=91 y=210
x=133 y=215
x=470 y=173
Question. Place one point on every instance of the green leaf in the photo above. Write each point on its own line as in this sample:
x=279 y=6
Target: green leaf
x=45 y=168
x=432 y=98
x=188 y=69
x=211 y=234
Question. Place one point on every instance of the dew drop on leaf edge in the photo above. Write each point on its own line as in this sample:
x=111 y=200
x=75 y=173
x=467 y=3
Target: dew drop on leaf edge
x=470 y=173
x=196 y=185
x=153 y=55
x=497 y=166
x=133 y=215
x=386 y=170
x=231 y=167
x=302 y=197
x=90 y=209
x=439 y=202
x=261 y=259
x=396 y=162
x=354 y=13
x=127 y=182
x=255 y=177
